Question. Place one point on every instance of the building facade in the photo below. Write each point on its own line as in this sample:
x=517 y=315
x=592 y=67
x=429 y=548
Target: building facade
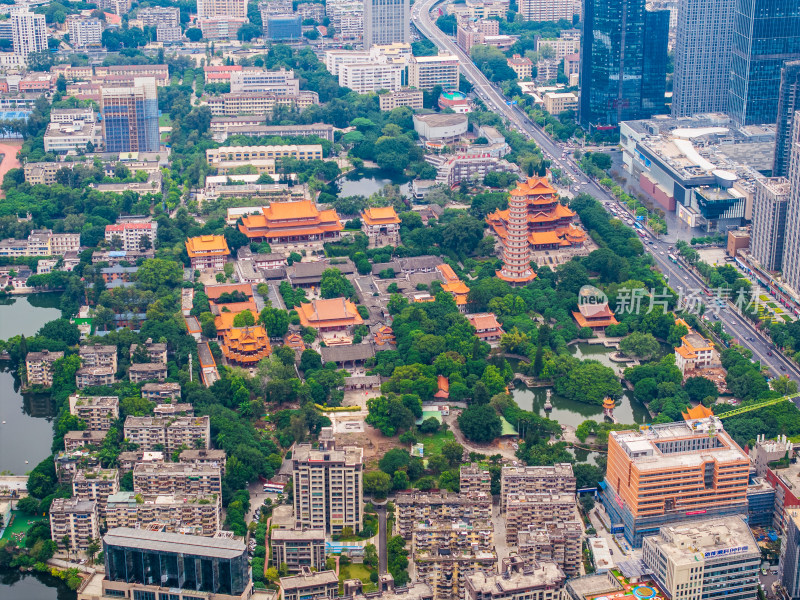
x=28 y=33
x=769 y=221
x=298 y=548
x=427 y=72
x=168 y=434
x=74 y=520
x=546 y=10
x=557 y=478
x=185 y=479
x=386 y=22
x=131 y=234
x=39 y=367
x=791 y=252
x=96 y=411
x=130 y=117
x=788 y=105
x=96 y=485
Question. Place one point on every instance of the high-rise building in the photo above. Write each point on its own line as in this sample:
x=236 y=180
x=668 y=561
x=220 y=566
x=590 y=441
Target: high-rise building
x=789 y=568
x=426 y=72
x=75 y=521
x=623 y=57
x=546 y=10
x=791 y=246
x=387 y=22
x=28 y=32
x=702 y=57
x=207 y=9
x=706 y=470
x=558 y=478
x=84 y=31
x=130 y=117
x=769 y=221
x=714 y=559
x=788 y=105
x=766 y=33
x=328 y=486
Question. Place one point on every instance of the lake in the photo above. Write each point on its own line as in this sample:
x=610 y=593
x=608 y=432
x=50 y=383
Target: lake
x=25 y=315
x=26 y=429
x=32 y=586
x=369 y=181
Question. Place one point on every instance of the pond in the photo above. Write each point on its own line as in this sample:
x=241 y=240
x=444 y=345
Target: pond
x=15 y=585
x=25 y=315
x=369 y=181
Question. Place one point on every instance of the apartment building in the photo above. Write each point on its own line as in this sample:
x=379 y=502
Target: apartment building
x=169 y=410
x=557 y=102
x=75 y=520
x=84 y=31
x=161 y=392
x=712 y=558
x=73 y=440
x=521 y=65
x=525 y=510
x=673 y=472
x=475 y=480
x=546 y=10
x=155 y=16
x=328 y=487
x=221 y=27
x=298 y=548
x=42 y=242
x=558 y=542
x=427 y=72
x=215 y=458
x=28 y=33
x=445 y=568
x=244 y=154
x=94 y=377
x=321 y=585
x=96 y=411
x=130 y=235
x=128 y=460
x=99 y=355
x=115 y=7
x=175 y=513
x=402 y=97
x=127 y=75
x=259 y=103
x=347 y=18
x=188 y=479
x=556 y=479
x=517 y=581
x=168 y=434
x=253 y=79
x=221 y=8
x=39 y=367
x=96 y=485
x=454 y=169
x=562 y=47
x=368 y=77
x=147 y=372
x=412 y=507
x=43 y=173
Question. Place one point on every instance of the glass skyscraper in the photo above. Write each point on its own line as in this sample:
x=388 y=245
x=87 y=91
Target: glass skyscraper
x=702 y=57
x=130 y=117
x=766 y=33
x=788 y=105
x=387 y=22
x=623 y=62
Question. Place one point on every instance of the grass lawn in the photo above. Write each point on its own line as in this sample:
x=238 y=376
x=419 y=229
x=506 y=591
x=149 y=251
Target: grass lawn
x=763 y=298
x=163 y=121
x=433 y=443
x=772 y=305
x=358 y=571
x=20 y=524
x=787 y=318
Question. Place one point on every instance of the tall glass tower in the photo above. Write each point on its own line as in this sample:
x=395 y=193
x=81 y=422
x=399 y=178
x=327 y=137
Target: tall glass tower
x=788 y=105
x=387 y=22
x=766 y=33
x=702 y=57
x=622 y=59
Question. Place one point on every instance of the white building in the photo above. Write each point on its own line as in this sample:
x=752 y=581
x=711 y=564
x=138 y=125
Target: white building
x=546 y=10
x=207 y=9
x=155 y=16
x=363 y=78
x=131 y=233
x=426 y=72
x=262 y=80
x=347 y=18
x=441 y=127
x=29 y=33
x=84 y=31
x=386 y=22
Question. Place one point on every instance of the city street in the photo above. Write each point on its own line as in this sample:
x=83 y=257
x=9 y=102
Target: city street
x=679 y=278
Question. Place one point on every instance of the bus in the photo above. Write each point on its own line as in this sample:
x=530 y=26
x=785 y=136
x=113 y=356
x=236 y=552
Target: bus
x=273 y=488
x=672 y=258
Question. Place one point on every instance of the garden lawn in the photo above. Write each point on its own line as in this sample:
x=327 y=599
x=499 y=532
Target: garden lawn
x=433 y=443
x=358 y=571
x=20 y=525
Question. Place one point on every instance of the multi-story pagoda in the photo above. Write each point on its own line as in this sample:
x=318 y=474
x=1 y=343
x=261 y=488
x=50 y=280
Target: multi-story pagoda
x=534 y=220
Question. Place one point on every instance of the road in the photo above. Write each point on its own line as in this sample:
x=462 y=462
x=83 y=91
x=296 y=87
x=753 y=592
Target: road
x=733 y=324
x=383 y=555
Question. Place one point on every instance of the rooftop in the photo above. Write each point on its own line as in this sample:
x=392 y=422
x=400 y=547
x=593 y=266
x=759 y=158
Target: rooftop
x=690 y=542
x=441 y=119
x=174 y=542
x=349 y=455
x=309 y=580
x=543 y=575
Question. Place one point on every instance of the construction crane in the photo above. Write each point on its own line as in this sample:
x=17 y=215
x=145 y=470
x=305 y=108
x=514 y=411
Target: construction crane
x=744 y=409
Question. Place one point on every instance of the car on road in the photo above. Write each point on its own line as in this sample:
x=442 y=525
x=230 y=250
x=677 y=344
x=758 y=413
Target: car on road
x=686 y=277
x=769 y=352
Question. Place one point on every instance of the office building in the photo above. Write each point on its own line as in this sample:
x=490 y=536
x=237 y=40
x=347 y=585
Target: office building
x=75 y=520
x=788 y=105
x=298 y=548
x=402 y=97
x=168 y=434
x=761 y=498
x=159 y=16
x=96 y=411
x=703 y=48
x=39 y=367
x=769 y=222
x=789 y=569
x=517 y=581
x=279 y=81
x=328 y=487
x=546 y=10
x=562 y=46
x=427 y=72
x=144 y=564
x=127 y=75
x=130 y=117
x=386 y=22
x=96 y=485
x=557 y=478
x=179 y=513
x=555 y=103
x=791 y=253
x=707 y=469
x=184 y=478
x=623 y=69
x=130 y=235
x=765 y=35
x=369 y=77
x=259 y=103
x=28 y=33
x=708 y=559
x=242 y=155
x=207 y=9
x=284 y=27
x=84 y=31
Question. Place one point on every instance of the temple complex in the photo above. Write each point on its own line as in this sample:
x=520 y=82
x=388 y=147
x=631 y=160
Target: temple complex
x=246 y=346
x=292 y=222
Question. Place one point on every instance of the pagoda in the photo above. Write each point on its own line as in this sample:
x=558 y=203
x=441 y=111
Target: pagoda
x=534 y=220
x=608 y=407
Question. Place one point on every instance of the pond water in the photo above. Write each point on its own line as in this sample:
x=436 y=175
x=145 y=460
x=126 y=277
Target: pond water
x=26 y=429
x=369 y=181
x=596 y=352
x=25 y=315
x=15 y=585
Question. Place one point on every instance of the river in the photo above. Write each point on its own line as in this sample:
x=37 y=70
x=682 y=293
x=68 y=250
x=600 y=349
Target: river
x=26 y=429
x=369 y=181
x=15 y=585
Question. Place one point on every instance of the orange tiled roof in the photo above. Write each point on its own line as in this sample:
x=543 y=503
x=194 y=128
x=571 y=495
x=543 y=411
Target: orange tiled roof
x=246 y=345
x=300 y=209
x=484 y=321
x=295 y=341
x=215 y=291
x=224 y=321
x=444 y=387
x=283 y=219
x=447 y=272
x=207 y=245
x=533 y=186
x=456 y=287
x=383 y=215
x=697 y=412
x=685 y=352
x=594 y=322
x=329 y=313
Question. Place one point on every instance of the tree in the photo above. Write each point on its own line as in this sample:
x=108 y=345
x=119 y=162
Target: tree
x=463 y=234
x=453 y=452
x=377 y=483
x=437 y=463
x=248 y=32
x=400 y=481
x=92 y=549
x=784 y=386
x=194 y=34
x=370 y=555
x=244 y=319
x=700 y=388
x=334 y=284
x=393 y=460
x=480 y=423
x=640 y=345
x=28 y=505
x=429 y=425
x=275 y=321
x=157 y=272
x=62 y=330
